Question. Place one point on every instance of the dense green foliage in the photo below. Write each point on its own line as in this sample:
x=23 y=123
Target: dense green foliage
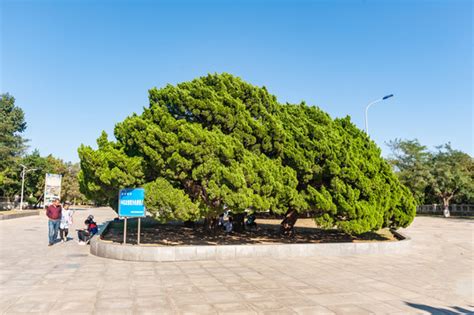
x=222 y=142
x=12 y=156
x=169 y=203
x=443 y=176
x=34 y=181
x=12 y=144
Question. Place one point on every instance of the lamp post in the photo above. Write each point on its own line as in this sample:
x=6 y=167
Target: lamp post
x=23 y=173
x=367 y=108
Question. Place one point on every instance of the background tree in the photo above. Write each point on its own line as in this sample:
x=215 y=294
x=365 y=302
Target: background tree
x=70 y=184
x=35 y=181
x=12 y=154
x=12 y=144
x=411 y=162
x=226 y=143
x=452 y=175
x=442 y=176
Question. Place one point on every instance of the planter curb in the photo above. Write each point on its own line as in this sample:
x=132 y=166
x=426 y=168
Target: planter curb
x=131 y=252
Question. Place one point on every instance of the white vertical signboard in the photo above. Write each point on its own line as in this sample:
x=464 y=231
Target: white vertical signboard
x=52 y=188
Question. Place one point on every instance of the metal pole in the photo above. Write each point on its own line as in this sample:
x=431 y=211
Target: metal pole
x=139 y=224
x=22 y=186
x=367 y=108
x=125 y=231
x=366 y=116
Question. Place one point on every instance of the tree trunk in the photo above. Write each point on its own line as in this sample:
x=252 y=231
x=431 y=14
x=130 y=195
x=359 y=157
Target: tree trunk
x=210 y=225
x=238 y=224
x=446 y=199
x=288 y=223
x=446 y=212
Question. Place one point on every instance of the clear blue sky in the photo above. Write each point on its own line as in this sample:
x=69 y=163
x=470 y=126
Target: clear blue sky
x=79 y=67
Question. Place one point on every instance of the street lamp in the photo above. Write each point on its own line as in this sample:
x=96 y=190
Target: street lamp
x=367 y=108
x=23 y=173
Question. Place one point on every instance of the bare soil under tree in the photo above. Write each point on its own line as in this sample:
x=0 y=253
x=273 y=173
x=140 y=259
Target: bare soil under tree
x=267 y=232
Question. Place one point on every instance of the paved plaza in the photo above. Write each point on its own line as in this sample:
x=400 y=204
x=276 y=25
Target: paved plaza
x=434 y=277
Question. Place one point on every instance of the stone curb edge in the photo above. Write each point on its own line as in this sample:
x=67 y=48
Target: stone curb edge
x=18 y=215
x=128 y=252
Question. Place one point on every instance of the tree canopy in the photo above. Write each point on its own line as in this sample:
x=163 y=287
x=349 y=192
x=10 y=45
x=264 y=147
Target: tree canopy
x=13 y=155
x=218 y=142
x=441 y=176
x=12 y=144
x=34 y=181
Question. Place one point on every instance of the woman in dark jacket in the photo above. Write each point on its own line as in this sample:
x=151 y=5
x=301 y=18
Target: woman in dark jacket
x=86 y=234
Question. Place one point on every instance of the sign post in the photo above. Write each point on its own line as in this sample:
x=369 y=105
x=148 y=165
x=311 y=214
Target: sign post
x=138 y=236
x=52 y=188
x=125 y=231
x=131 y=205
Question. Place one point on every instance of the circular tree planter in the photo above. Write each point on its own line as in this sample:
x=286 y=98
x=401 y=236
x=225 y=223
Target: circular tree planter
x=107 y=249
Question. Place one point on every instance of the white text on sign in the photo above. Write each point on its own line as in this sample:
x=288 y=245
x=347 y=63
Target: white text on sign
x=131 y=202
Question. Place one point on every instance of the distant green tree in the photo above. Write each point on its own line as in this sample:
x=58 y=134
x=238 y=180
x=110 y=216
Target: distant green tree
x=434 y=177
x=70 y=185
x=35 y=181
x=411 y=162
x=12 y=154
x=452 y=175
x=12 y=144
x=227 y=144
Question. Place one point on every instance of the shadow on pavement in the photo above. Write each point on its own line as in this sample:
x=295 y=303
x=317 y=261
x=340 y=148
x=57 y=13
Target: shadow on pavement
x=437 y=310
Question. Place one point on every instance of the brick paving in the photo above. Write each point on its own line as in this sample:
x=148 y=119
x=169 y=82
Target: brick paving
x=434 y=277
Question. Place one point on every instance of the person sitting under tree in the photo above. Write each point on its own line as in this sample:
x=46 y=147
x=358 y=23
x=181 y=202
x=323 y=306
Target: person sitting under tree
x=228 y=225
x=86 y=234
x=251 y=221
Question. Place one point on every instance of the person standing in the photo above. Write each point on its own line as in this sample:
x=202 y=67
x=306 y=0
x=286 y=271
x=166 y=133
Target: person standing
x=53 y=212
x=66 y=221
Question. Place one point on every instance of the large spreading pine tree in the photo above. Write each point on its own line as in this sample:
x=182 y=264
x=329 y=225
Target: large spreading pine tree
x=218 y=142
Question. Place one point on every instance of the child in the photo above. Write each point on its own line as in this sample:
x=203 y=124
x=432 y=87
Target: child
x=66 y=221
x=85 y=235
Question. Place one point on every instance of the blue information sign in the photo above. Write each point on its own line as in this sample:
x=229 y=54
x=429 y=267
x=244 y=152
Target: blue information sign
x=131 y=202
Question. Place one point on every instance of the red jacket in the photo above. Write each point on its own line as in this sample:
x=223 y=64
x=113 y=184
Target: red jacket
x=53 y=212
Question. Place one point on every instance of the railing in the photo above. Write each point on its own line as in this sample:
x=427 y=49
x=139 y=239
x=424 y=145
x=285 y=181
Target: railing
x=454 y=209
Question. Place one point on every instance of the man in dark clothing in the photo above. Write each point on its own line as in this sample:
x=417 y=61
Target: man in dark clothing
x=53 y=211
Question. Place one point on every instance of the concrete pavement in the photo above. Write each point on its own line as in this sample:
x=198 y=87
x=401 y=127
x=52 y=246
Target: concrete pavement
x=434 y=277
